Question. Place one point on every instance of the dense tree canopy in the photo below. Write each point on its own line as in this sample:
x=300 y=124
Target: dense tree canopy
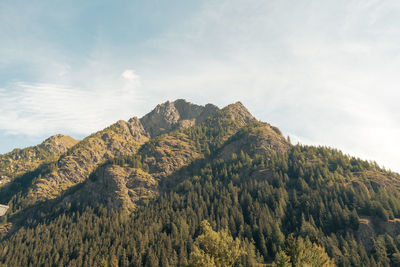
x=300 y=252
x=312 y=193
x=306 y=205
x=215 y=249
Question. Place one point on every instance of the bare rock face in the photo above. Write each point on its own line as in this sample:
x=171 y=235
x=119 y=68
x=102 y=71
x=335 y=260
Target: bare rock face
x=58 y=144
x=187 y=110
x=120 y=139
x=20 y=161
x=239 y=113
x=137 y=130
x=253 y=136
x=117 y=187
x=171 y=153
x=3 y=209
x=175 y=115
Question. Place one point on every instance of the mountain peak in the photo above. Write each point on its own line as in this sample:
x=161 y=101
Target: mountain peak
x=58 y=139
x=20 y=161
x=58 y=143
x=239 y=113
x=177 y=114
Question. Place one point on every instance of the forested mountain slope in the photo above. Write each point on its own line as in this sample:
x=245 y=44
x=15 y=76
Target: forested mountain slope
x=135 y=194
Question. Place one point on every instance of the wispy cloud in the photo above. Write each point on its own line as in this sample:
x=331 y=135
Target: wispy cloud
x=42 y=108
x=325 y=72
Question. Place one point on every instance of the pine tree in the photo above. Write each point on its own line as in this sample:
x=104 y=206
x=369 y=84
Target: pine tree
x=302 y=252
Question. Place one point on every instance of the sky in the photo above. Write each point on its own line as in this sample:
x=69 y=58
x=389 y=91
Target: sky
x=324 y=72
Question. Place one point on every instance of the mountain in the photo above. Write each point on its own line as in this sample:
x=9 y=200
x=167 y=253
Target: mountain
x=136 y=193
x=20 y=161
x=175 y=115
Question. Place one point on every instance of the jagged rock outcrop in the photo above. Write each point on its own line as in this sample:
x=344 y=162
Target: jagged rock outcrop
x=171 y=152
x=58 y=144
x=175 y=115
x=20 y=161
x=239 y=113
x=116 y=187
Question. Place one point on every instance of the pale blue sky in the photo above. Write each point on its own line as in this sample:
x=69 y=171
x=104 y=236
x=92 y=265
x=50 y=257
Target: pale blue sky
x=325 y=72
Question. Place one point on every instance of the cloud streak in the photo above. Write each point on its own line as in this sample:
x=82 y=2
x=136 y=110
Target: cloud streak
x=325 y=72
x=42 y=108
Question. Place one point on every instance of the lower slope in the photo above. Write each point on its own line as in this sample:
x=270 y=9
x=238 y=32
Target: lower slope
x=261 y=199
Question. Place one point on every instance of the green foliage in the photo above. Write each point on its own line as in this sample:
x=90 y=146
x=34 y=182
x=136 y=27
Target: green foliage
x=14 y=193
x=21 y=161
x=215 y=248
x=134 y=161
x=300 y=252
x=282 y=260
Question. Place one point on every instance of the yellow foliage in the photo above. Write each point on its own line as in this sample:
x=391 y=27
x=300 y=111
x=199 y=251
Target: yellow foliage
x=215 y=249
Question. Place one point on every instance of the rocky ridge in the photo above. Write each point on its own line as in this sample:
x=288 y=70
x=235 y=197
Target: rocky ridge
x=20 y=161
x=74 y=166
x=175 y=115
x=121 y=138
x=112 y=184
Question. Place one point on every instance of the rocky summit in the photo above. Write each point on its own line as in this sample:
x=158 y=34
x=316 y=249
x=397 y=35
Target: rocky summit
x=176 y=115
x=20 y=161
x=157 y=190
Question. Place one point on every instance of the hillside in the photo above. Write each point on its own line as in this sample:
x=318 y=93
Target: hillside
x=20 y=161
x=135 y=194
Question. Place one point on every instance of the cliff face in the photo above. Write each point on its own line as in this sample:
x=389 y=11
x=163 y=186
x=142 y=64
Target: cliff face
x=175 y=115
x=116 y=187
